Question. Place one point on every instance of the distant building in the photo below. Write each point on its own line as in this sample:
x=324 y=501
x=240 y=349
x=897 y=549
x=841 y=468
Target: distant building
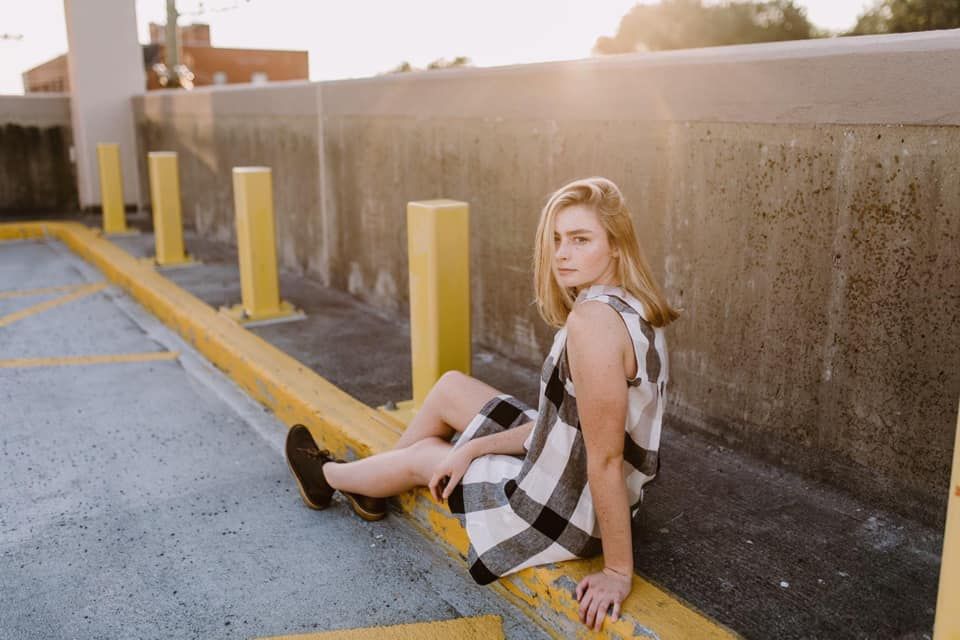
x=209 y=65
x=52 y=75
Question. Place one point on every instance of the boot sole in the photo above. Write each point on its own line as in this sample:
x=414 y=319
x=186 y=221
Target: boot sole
x=303 y=494
x=369 y=516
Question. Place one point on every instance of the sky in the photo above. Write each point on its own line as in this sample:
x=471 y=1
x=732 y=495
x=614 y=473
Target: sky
x=365 y=37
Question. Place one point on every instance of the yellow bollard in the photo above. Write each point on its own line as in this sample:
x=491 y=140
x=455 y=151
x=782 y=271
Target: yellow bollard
x=167 y=218
x=111 y=188
x=438 y=243
x=256 y=248
x=946 y=624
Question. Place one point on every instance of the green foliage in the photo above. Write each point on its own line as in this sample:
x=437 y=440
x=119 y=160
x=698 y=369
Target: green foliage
x=903 y=16
x=403 y=67
x=439 y=63
x=442 y=63
x=682 y=24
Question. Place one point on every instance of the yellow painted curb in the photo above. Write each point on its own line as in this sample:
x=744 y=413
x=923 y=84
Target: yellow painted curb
x=476 y=628
x=341 y=423
x=27 y=231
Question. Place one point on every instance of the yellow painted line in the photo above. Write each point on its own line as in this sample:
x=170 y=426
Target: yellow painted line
x=477 y=628
x=346 y=426
x=946 y=621
x=24 y=231
x=67 y=361
x=29 y=293
x=83 y=291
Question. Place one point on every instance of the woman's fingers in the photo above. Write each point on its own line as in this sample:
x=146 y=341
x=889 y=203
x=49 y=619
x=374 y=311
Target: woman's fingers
x=437 y=486
x=602 y=605
x=593 y=611
x=580 y=587
x=451 y=483
x=585 y=601
x=434 y=487
x=595 y=603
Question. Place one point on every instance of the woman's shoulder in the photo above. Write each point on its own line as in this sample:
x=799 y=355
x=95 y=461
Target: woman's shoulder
x=596 y=321
x=615 y=297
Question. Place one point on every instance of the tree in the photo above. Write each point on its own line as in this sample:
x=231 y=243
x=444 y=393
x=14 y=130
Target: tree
x=443 y=63
x=682 y=24
x=903 y=16
x=403 y=67
x=439 y=63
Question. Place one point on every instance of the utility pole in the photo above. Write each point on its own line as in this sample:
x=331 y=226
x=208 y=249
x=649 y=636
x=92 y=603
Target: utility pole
x=172 y=38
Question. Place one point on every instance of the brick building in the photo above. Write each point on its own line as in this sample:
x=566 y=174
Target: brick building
x=209 y=65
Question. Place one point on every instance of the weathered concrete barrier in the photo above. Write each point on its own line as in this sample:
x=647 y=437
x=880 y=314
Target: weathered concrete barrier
x=36 y=173
x=798 y=200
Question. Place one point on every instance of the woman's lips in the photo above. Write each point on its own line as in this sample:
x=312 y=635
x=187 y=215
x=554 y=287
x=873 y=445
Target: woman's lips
x=566 y=270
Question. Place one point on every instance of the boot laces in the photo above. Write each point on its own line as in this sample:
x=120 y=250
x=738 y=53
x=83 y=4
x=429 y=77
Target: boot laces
x=316 y=454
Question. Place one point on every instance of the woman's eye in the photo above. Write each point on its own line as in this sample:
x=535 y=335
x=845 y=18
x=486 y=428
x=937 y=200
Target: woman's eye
x=580 y=240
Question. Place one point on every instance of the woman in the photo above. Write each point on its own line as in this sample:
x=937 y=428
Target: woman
x=540 y=486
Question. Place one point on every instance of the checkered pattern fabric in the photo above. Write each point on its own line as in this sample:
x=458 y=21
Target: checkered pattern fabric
x=523 y=511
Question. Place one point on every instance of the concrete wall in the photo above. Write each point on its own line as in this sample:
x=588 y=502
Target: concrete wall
x=36 y=174
x=214 y=130
x=798 y=200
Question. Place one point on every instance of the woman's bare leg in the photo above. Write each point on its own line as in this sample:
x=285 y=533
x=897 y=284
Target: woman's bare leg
x=386 y=474
x=448 y=408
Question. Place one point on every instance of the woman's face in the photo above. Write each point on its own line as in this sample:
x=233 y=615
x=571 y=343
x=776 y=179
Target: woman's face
x=582 y=253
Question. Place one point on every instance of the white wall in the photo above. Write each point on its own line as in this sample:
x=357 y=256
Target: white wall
x=106 y=70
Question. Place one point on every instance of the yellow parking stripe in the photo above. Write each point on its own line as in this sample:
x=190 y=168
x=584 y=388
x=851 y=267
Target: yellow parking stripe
x=65 y=361
x=28 y=293
x=480 y=627
x=50 y=304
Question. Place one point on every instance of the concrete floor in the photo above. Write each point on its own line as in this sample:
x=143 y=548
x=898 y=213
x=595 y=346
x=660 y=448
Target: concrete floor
x=151 y=499
x=764 y=551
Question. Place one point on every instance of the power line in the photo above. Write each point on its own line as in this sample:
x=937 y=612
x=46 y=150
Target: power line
x=201 y=10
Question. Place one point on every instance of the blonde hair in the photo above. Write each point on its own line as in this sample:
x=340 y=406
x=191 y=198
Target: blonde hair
x=555 y=302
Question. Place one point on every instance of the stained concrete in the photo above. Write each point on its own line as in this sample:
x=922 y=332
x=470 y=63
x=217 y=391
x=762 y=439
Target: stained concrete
x=790 y=201
x=763 y=550
x=151 y=500
x=36 y=174
x=35 y=170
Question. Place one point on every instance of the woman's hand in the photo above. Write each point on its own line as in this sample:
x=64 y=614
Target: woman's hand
x=597 y=592
x=449 y=472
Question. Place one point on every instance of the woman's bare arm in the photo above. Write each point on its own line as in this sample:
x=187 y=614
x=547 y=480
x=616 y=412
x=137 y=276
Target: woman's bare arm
x=509 y=441
x=596 y=342
x=450 y=471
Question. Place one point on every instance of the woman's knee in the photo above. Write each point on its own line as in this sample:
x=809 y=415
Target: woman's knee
x=456 y=398
x=444 y=392
x=451 y=381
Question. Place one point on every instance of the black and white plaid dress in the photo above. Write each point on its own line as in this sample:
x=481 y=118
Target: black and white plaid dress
x=523 y=511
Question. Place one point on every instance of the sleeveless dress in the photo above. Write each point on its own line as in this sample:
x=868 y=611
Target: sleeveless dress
x=523 y=511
